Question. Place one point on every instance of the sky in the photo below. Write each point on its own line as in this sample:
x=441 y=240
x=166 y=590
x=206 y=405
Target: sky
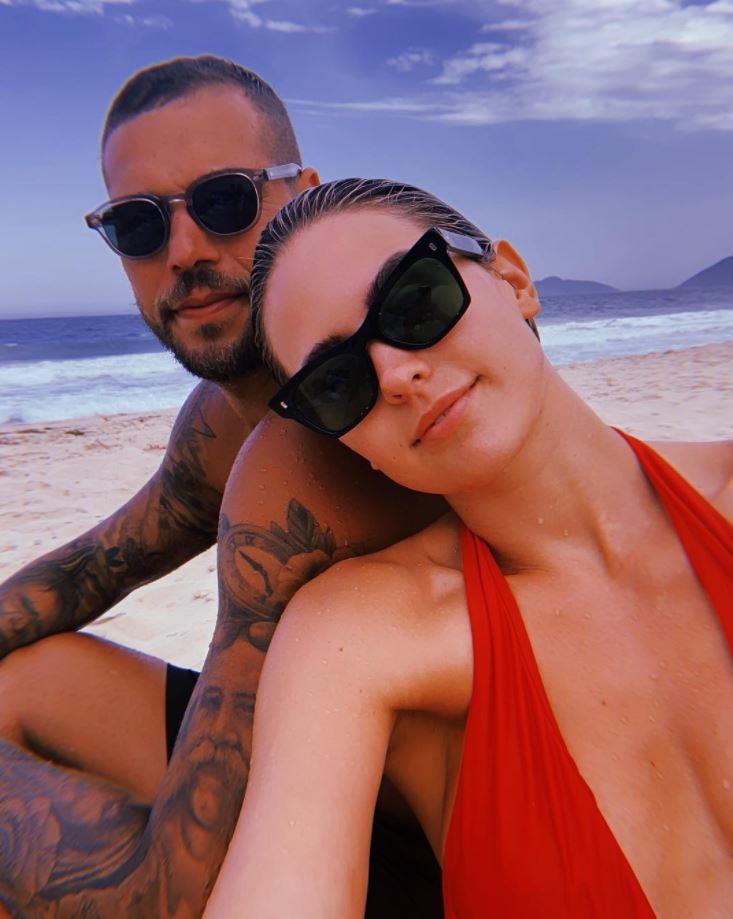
x=596 y=135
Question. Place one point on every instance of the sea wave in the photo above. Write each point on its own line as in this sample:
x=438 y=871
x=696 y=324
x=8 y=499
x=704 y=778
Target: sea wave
x=47 y=390
x=51 y=390
x=591 y=339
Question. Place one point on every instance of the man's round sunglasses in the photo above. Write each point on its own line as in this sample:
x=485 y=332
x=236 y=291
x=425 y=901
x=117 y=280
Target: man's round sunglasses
x=412 y=305
x=222 y=203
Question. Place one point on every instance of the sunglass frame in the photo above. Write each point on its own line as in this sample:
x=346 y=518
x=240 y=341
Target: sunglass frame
x=94 y=219
x=435 y=243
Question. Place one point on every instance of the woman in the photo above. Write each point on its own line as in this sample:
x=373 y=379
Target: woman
x=555 y=708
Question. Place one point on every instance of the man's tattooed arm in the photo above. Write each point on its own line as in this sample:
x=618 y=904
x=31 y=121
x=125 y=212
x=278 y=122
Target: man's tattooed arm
x=76 y=847
x=294 y=504
x=171 y=519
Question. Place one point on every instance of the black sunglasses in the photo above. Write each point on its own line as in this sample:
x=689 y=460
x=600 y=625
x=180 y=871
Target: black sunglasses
x=420 y=301
x=222 y=203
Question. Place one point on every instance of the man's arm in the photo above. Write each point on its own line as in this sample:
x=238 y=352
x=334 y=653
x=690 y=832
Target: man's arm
x=171 y=519
x=294 y=504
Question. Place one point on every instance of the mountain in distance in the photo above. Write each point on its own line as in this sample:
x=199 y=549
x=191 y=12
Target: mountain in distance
x=718 y=275
x=554 y=286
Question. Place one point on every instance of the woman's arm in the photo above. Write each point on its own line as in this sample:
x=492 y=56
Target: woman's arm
x=322 y=725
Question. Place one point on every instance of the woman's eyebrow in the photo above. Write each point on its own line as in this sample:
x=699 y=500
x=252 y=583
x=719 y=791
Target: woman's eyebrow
x=382 y=276
x=372 y=297
x=322 y=347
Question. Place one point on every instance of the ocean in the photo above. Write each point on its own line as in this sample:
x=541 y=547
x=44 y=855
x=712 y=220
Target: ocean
x=59 y=368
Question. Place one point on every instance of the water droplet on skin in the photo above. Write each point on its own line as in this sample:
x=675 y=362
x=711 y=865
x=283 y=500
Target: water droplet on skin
x=624 y=719
x=566 y=532
x=662 y=665
x=557 y=612
x=291 y=823
x=652 y=718
x=540 y=520
x=726 y=784
x=666 y=827
x=262 y=487
x=586 y=616
x=323 y=660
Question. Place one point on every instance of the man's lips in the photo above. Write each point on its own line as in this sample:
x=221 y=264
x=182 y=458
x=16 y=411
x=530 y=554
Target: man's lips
x=443 y=415
x=201 y=307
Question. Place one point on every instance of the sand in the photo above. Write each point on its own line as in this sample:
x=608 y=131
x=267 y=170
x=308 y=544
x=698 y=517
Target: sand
x=57 y=479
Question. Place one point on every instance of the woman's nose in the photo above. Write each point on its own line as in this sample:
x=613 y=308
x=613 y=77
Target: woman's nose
x=399 y=372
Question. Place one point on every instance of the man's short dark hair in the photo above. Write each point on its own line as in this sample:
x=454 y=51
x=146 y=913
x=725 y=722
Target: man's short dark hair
x=162 y=83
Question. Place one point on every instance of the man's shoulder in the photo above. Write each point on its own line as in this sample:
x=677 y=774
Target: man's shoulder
x=207 y=409
x=707 y=466
x=206 y=436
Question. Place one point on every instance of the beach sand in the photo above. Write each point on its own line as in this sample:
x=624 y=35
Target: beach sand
x=59 y=478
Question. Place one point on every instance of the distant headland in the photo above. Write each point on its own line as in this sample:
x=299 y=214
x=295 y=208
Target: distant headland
x=718 y=275
x=554 y=287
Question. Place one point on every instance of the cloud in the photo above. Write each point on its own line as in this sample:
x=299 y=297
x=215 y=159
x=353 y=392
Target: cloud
x=416 y=3
x=145 y=22
x=583 y=60
x=395 y=106
x=88 y=7
x=361 y=11
x=410 y=59
x=243 y=11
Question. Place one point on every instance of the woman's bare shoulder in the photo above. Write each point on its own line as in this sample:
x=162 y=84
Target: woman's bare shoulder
x=707 y=466
x=388 y=609
x=402 y=572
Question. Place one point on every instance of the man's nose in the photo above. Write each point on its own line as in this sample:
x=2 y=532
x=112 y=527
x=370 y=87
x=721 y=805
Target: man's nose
x=399 y=372
x=189 y=244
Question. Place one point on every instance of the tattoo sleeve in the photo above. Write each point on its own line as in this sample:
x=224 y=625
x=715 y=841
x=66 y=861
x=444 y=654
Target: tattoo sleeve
x=73 y=847
x=171 y=519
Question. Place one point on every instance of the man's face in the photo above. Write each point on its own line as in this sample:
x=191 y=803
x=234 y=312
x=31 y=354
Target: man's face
x=194 y=295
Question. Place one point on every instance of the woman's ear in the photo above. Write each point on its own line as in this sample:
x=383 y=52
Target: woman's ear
x=511 y=267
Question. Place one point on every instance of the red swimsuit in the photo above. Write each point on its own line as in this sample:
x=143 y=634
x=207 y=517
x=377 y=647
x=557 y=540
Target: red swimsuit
x=526 y=837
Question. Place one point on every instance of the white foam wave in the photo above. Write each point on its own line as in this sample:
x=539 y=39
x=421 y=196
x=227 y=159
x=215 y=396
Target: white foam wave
x=589 y=340
x=51 y=390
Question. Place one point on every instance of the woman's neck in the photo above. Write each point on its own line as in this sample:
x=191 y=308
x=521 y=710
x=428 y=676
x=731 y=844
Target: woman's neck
x=573 y=489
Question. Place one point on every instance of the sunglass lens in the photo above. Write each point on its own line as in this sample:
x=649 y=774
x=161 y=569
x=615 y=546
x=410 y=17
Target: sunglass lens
x=423 y=304
x=226 y=204
x=338 y=393
x=135 y=228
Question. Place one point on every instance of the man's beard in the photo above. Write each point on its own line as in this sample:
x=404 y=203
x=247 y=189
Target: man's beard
x=220 y=362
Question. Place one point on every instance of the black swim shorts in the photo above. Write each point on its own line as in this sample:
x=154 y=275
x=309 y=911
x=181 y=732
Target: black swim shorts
x=404 y=875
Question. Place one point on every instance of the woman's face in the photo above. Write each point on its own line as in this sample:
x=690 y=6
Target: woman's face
x=449 y=418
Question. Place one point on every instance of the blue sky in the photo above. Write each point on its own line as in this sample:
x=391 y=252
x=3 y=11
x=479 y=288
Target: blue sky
x=597 y=135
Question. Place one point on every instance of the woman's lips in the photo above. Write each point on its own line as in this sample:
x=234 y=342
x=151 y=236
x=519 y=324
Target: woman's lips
x=448 y=418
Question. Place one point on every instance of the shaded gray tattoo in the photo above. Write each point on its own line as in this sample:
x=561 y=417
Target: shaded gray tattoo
x=255 y=591
x=190 y=503
x=73 y=846
x=173 y=518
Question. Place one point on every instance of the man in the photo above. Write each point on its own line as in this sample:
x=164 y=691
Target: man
x=116 y=834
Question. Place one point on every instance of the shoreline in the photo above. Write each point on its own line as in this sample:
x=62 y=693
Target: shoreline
x=59 y=478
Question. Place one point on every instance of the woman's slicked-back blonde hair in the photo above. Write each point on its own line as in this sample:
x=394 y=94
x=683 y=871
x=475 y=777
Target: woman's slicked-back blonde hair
x=424 y=209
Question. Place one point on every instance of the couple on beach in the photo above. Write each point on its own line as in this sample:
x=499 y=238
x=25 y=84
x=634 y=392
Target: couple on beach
x=525 y=683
